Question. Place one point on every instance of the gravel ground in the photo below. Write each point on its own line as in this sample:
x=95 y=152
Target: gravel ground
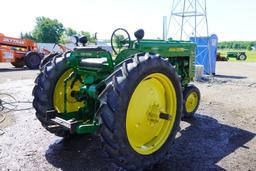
x=221 y=136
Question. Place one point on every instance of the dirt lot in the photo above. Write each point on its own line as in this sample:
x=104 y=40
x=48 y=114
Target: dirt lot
x=221 y=136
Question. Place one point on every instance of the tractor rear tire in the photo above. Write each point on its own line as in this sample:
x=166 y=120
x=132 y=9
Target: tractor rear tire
x=43 y=92
x=137 y=84
x=32 y=60
x=18 y=63
x=191 y=97
x=48 y=58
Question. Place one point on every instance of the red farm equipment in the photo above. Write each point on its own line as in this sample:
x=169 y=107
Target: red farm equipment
x=19 y=52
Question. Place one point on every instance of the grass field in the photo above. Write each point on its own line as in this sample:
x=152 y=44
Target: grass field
x=251 y=55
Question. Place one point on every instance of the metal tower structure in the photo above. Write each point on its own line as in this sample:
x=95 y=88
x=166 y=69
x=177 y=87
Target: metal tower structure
x=188 y=19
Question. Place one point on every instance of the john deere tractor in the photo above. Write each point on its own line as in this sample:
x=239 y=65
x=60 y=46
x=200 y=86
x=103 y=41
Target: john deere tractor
x=134 y=98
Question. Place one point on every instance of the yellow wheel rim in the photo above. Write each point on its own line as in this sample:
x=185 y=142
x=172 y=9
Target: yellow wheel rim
x=191 y=102
x=58 y=95
x=146 y=132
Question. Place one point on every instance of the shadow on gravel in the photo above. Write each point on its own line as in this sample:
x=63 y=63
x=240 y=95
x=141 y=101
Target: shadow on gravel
x=203 y=144
x=200 y=147
x=12 y=69
x=78 y=153
x=230 y=76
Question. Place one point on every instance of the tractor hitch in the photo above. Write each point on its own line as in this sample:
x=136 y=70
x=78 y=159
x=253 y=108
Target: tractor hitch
x=69 y=125
x=51 y=115
x=71 y=122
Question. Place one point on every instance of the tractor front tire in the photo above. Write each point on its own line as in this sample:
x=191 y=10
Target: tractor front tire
x=141 y=111
x=191 y=97
x=242 y=57
x=32 y=60
x=18 y=63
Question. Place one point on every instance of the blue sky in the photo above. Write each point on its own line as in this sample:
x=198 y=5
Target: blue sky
x=229 y=19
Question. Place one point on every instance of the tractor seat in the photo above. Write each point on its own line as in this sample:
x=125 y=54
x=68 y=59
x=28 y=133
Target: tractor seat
x=93 y=62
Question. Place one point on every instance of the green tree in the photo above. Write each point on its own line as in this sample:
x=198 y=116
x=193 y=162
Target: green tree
x=249 y=46
x=221 y=46
x=65 y=38
x=70 y=32
x=119 y=40
x=236 y=46
x=26 y=35
x=47 y=30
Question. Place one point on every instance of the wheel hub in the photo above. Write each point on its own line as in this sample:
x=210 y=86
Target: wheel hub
x=191 y=102
x=153 y=114
x=71 y=104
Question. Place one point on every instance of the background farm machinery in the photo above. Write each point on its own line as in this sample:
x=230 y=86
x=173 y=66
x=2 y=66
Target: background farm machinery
x=19 y=52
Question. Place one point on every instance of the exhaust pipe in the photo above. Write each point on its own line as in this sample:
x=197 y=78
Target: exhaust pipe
x=164 y=27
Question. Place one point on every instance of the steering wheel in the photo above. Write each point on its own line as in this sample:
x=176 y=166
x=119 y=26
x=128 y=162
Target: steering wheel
x=120 y=40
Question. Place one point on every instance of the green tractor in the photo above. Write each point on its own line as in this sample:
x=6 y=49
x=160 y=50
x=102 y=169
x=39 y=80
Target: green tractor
x=134 y=98
x=237 y=55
